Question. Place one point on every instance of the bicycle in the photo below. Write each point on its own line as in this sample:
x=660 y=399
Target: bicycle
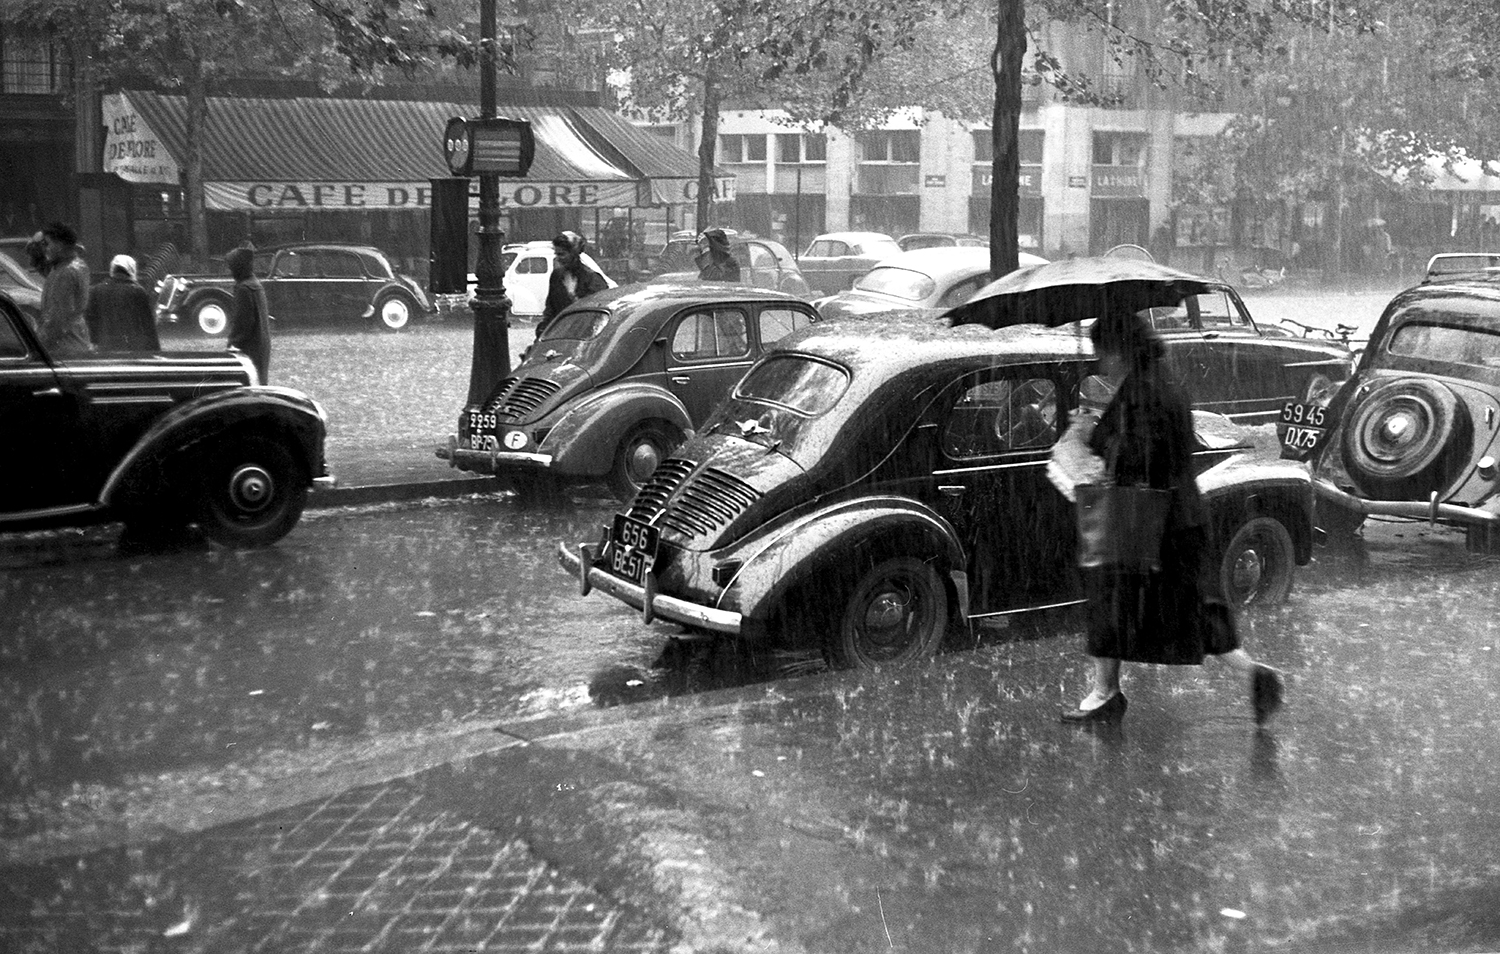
x=1340 y=332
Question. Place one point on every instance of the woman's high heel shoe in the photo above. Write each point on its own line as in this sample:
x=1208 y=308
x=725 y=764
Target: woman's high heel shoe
x=1112 y=710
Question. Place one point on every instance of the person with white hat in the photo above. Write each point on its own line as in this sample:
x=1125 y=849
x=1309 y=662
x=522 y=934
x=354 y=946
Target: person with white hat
x=119 y=313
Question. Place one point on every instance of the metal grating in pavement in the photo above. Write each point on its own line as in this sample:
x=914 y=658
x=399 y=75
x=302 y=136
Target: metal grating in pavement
x=369 y=870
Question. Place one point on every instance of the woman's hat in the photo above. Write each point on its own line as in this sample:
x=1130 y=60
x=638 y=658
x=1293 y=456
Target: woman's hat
x=122 y=265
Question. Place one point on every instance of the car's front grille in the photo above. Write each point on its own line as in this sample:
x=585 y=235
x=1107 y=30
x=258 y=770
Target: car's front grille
x=685 y=506
x=518 y=397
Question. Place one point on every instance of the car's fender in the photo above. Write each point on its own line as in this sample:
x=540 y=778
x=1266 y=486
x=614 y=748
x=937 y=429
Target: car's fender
x=402 y=286
x=779 y=560
x=1240 y=488
x=145 y=470
x=584 y=439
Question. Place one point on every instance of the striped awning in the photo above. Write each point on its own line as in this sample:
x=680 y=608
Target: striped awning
x=311 y=153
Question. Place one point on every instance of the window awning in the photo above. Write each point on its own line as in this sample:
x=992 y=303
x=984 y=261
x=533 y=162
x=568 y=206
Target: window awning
x=308 y=153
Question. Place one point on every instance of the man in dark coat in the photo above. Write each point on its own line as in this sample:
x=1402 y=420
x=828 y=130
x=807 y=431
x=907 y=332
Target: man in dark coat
x=65 y=294
x=571 y=277
x=715 y=260
x=250 y=318
x=119 y=312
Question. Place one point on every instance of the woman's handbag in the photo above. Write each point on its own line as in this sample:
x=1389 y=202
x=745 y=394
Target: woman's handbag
x=1121 y=527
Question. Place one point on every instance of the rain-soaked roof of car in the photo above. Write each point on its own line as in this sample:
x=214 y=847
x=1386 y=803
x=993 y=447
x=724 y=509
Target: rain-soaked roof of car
x=892 y=343
x=684 y=292
x=1454 y=299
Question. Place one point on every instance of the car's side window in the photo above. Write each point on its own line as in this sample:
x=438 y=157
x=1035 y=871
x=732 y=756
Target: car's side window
x=11 y=343
x=761 y=257
x=835 y=249
x=341 y=265
x=533 y=265
x=1173 y=318
x=290 y=265
x=711 y=333
x=1001 y=415
x=820 y=249
x=961 y=292
x=777 y=323
x=1217 y=313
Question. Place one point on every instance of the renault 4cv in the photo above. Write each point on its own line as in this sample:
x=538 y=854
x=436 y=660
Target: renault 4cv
x=617 y=381
x=866 y=490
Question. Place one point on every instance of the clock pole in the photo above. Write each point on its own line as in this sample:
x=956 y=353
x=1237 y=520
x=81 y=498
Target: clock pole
x=491 y=359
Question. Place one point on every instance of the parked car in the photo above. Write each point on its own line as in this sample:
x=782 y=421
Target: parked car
x=763 y=263
x=865 y=492
x=1233 y=366
x=528 y=270
x=155 y=440
x=1413 y=433
x=1248 y=266
x=304 y=282
x=618 y=381
x=22 y=285
x=916 y=240
x=833 y=261
x=926 y=278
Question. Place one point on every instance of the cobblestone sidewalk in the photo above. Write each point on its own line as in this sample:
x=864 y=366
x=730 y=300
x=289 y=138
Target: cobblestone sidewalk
x=374 y=869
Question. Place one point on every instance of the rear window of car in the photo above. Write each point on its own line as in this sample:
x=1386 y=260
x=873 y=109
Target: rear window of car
x=1476 y=347
x=576 y=325
x=806 y=386
x=900 y=283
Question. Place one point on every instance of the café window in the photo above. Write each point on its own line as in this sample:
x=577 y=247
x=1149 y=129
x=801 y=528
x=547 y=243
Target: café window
x=1119 y=149
x=741 y=147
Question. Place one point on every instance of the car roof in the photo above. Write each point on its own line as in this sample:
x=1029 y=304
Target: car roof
x=682 y=292
x=891 y=346
x=854 y=236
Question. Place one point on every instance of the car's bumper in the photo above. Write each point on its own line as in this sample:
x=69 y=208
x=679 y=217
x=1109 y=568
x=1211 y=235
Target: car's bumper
x=1432 y=510
x=490 y=462
x=326 y=482
x=653 y=605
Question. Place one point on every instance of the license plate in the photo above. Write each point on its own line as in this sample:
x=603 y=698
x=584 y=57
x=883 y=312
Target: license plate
x=484 y=442
x=1302 y=438
x=482 y=421
x=1304 y=415
x=632 y=548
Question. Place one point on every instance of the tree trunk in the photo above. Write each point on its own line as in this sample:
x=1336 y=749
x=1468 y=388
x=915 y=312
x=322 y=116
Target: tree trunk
x=708 y=147
x=1005 y=184
x=193 y=197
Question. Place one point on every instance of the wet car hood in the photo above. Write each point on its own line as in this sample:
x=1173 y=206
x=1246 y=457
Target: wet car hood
x=851 y=304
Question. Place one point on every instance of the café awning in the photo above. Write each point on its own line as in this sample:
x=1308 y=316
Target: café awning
x=311 y=153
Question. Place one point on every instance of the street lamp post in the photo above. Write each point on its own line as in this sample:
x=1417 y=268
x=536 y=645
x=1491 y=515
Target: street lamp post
x=491 y=359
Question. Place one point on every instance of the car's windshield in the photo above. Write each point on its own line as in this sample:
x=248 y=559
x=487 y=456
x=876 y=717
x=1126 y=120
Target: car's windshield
x=897 y=282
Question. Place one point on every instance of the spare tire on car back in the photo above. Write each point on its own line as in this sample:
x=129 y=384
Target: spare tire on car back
x=1406 y=439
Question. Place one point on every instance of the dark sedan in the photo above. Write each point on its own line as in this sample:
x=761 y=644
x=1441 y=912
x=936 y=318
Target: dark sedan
x=618 y=381
x=868 y=489
x=303 y=283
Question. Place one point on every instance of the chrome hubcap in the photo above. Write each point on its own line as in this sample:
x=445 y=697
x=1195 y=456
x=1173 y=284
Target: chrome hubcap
x=251 y=488
x=1246 y=573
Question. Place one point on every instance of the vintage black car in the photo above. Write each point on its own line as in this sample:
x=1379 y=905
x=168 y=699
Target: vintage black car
x=617 y=381
x=154 y=439
x=1413 y=433
x=303 y=283
x=867 y=489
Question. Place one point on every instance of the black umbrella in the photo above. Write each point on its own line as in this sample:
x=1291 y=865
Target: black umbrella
x=1076 y=289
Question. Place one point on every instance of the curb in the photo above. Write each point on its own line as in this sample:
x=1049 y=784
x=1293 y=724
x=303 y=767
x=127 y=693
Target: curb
x=367 y=494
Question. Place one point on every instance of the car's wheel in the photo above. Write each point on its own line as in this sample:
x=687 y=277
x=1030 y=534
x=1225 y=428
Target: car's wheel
x=644 y=446
x=211 y=314
x=896 y=612
x=250 y=493
x=1256 y=567
x=1405 y=438
x=394 y=310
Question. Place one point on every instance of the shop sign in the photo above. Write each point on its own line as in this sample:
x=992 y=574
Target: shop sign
x=387 y=196
x=1078 y=182
x=935 y=182
x=1119 y=181
x=132 y=150
x=1030 y=184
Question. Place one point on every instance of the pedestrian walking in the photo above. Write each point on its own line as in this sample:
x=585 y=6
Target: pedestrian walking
x=715 y=261
x=65 y=294
x=119 y=314
x=571 y=277
x=1172 y=614
x=250 y=316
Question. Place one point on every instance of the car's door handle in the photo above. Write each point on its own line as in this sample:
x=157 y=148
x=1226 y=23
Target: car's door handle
x=952 y=490
x=47 y=392
x=681 y=378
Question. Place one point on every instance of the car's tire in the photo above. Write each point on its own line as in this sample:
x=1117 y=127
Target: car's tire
x=210 y=314
x=1405 y=439
x=643 y=447
x=249 y=492
x=394 y=309
x=896 y=612
x=1256 y=566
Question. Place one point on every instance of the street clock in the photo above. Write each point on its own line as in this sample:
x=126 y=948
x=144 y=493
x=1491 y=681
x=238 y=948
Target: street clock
x=501 y=146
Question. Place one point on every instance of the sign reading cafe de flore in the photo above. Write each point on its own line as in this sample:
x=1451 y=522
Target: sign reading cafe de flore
x=137 y=153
